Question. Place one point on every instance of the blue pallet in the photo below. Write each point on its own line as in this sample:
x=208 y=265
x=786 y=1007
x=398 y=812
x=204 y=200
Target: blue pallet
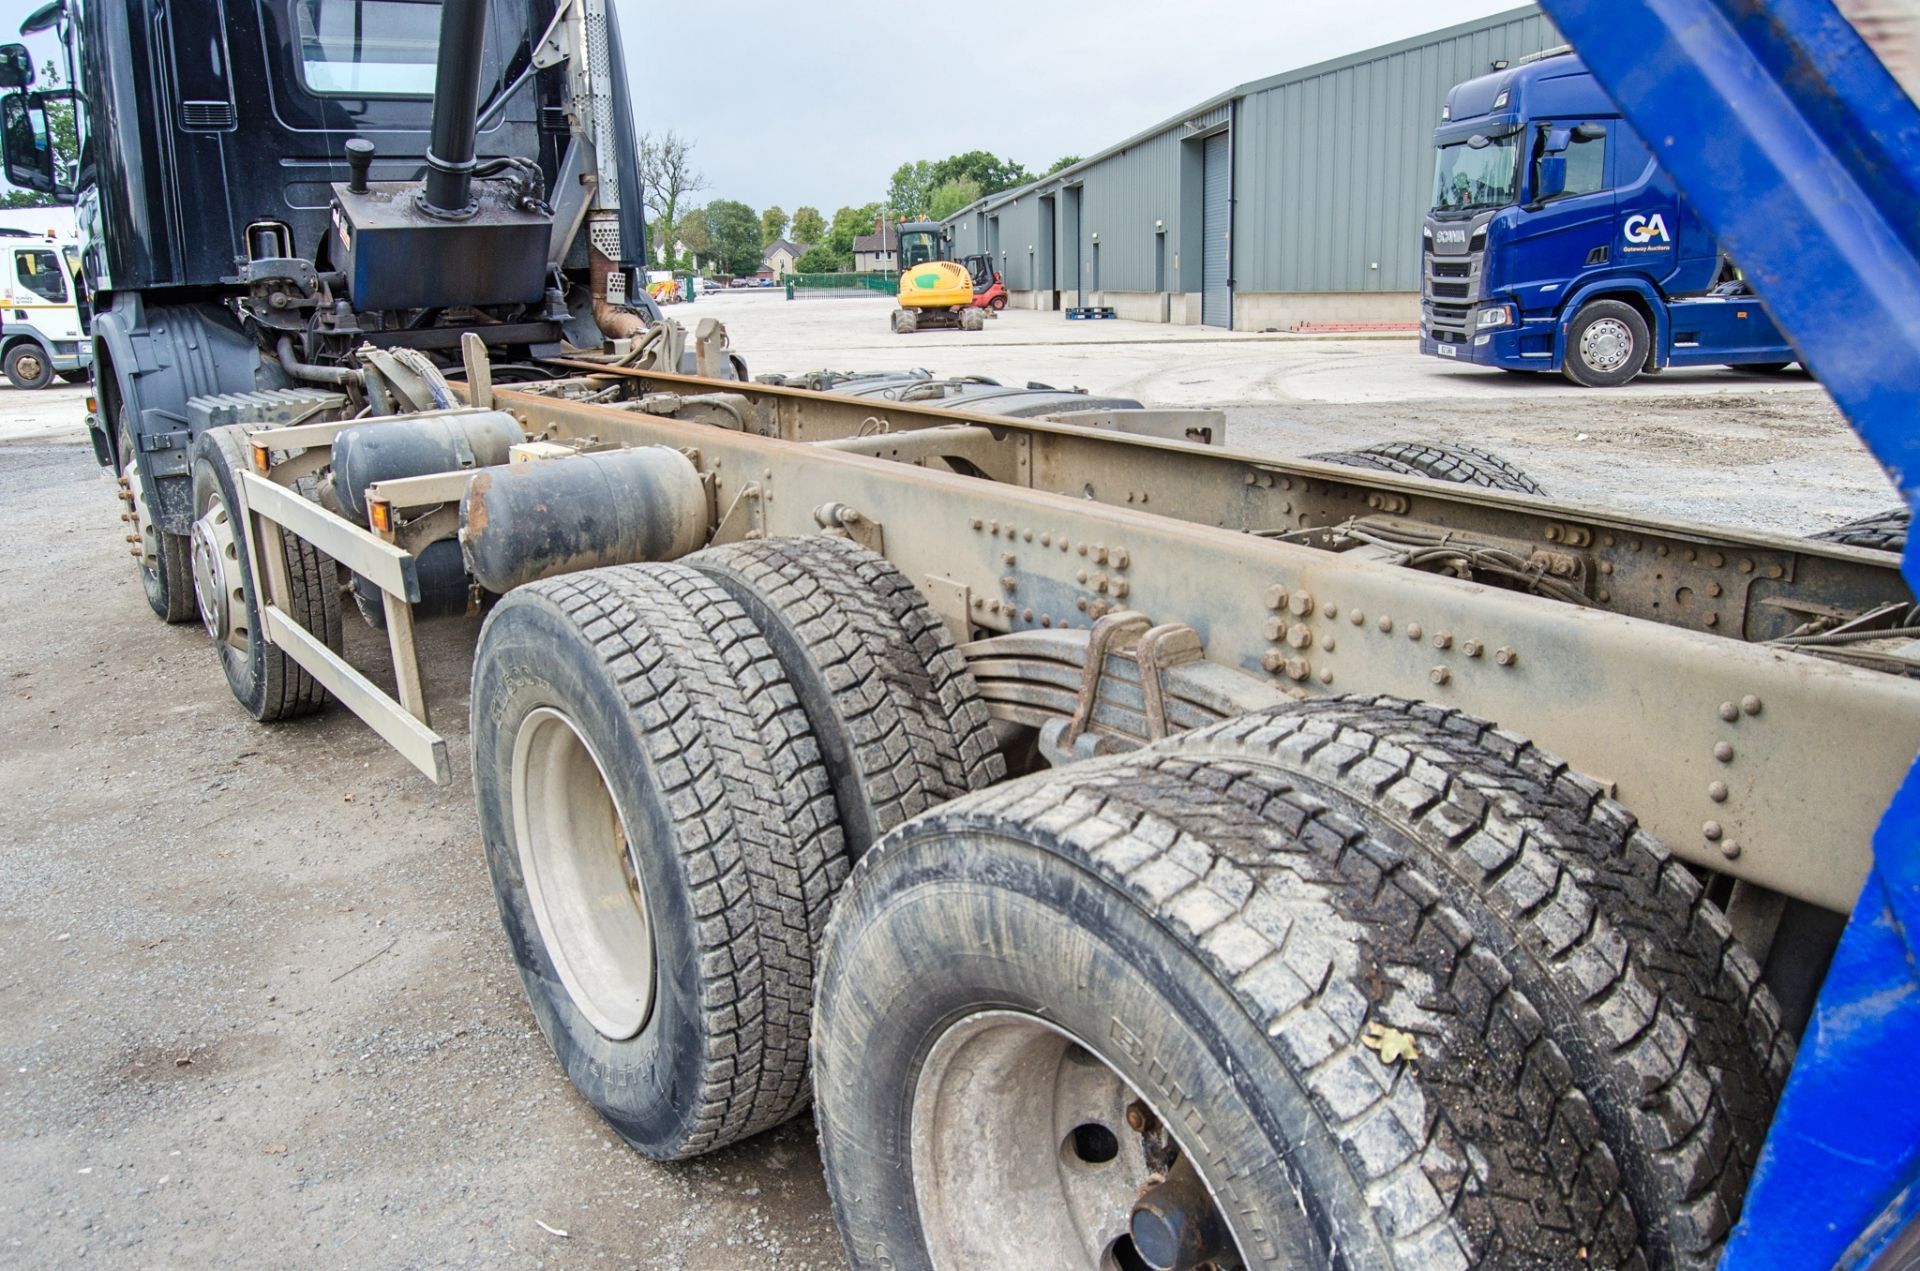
x=1087 y=312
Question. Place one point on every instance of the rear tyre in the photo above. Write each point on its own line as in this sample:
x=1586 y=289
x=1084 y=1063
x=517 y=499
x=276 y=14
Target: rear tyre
x=28 y=366
x=1607 y=344
x=1883 y=531
x=1438 y=461
x=1400 y=986
x=905 y=321
x=899 y=720
x=268 y=683
x=997 y=303
x=660 y=831
x=972 y=319
x=168 y=579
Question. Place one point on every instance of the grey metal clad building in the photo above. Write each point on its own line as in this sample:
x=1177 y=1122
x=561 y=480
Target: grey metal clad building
x=1289 y=200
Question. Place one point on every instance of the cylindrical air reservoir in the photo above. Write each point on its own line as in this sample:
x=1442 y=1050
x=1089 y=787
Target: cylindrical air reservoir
x=555 y=516
x=414 y=446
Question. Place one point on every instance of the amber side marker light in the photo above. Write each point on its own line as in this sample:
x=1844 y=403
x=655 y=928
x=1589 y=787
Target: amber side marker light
x=380 y=513
x=262 y=460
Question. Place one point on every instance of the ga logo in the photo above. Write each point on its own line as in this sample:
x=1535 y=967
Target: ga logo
x=1644 y=229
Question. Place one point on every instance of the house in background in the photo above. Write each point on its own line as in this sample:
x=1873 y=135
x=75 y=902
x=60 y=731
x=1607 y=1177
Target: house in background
x=777 y=260
x=879 y=250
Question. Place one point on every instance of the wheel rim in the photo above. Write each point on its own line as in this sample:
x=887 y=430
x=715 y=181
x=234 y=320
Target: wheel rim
x=1606 y=344
x=216 y=577
x=1029 y=1149
x=30 y=366
x=582 y=879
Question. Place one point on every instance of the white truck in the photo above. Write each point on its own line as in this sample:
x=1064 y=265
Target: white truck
x=43 y=327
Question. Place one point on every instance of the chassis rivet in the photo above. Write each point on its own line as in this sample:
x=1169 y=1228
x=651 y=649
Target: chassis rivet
x=1046 y=619
x=995 y=527
x=1729 y=712
x=1730 y=850
x=1300 y=635
x=1026 y=615
x=1746 y=566
x=1606 y=540
x=1302 y=604
x=1276 y=597
x=1553 y=534
x=1080 y=575
x=1330 y=610
x=1711 y=831
x=1099 y=554
x=1064 y=545
x=1439 y=675
x=1271 y=660
x=1008 y=583
x=1715 y=559
x=1386 y=623
x=1750 y=704
x=1120 y=588
x=1505 y=656
x=1472 y=648
x=1006 y=558
x=1046 y=540
x=1357 y=618
x=1249 y=479
x=1774 y=571
x=1634 y=544
x=1723 y=751
x=979 y=603
x=1660 y=549
x=1081 y=605
x=1603 y=595
x=1027 y=535
x=1443 y=640
x=1083 y=549
x=1326 y=642
x=1096 y=610
x=1326 y=675
x=1717 y=791
x=1606 y=567
x=1413 y=631
x=1713 y=619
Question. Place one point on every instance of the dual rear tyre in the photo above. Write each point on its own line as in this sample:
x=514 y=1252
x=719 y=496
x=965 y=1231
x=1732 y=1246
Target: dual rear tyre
x=1359 y=979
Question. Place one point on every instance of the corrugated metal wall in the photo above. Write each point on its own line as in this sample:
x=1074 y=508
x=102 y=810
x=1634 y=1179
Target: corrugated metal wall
x=1332 y=170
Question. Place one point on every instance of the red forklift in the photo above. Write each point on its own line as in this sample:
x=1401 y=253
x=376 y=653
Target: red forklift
x=989 y=292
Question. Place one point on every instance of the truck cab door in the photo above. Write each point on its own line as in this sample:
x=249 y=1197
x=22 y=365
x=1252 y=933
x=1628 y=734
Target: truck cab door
x=1563 y=234
x=1648 y=232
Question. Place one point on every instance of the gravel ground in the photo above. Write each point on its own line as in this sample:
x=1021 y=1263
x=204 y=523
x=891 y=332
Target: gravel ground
x=256 y=1009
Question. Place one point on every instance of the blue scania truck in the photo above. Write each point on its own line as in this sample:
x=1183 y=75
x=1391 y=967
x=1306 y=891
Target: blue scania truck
x=1556 y=242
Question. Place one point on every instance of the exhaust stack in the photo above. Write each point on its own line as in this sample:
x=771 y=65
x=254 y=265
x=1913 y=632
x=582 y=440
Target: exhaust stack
x=456 y=106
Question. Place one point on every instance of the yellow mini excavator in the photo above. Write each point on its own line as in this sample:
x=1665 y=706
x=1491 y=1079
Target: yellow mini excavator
x=935 y=290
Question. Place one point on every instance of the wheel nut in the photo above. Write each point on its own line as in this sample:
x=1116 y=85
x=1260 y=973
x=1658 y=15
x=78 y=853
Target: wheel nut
x=1505 y=656
x=1471 y=648
x=1442 y=640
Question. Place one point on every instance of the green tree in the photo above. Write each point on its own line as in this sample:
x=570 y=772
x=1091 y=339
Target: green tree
x=990 y=172
x=773 y=223
x=734 y=232
x=951 y=196
x=849 y=223
x=907 y=193
x=808 y=227
x=1064 y=161
x=694 y=233
x=820 y=259
x=667 y=175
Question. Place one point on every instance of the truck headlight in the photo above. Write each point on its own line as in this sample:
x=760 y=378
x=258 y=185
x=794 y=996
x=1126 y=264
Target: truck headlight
x=1497 y=316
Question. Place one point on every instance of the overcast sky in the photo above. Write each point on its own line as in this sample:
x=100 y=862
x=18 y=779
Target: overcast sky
x=818 y=103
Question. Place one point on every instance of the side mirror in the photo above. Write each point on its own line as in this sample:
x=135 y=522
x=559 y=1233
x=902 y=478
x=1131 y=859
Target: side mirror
x=16 y=66
x=26 y=143
x=1590 y=132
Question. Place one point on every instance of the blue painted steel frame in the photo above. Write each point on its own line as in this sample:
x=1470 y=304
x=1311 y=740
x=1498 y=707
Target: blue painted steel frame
x=1803 y=154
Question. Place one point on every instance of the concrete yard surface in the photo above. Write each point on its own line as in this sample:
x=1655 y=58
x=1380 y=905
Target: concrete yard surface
x=257 y=1007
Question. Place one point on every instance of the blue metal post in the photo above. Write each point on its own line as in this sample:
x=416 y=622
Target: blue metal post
x=1801 y=151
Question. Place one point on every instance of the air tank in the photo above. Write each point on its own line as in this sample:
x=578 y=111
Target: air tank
x=555 y=516
x=414 y=446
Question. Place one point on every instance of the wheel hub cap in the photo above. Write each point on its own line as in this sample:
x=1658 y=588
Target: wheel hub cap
x=1606 y=344
x=216 y=575
x=30 y=367
x=1028 y=1149
x=582 y=882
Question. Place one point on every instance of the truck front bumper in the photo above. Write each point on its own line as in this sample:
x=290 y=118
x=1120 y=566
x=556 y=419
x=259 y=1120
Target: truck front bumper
x=1526 y=347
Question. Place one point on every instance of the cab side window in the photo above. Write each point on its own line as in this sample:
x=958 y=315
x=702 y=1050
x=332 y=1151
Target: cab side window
x=1587 y=166
x=39 y=271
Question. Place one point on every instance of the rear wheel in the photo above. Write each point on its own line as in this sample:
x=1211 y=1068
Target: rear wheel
x=905 y=321
x=28 y=366
x=1386 y=980
x=972 y=319
x=899 y=719
x=1439 y=461
x=661 y=835
x=271 y=685
x=166 y=574
x=1607 y=344
x=997 y=303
